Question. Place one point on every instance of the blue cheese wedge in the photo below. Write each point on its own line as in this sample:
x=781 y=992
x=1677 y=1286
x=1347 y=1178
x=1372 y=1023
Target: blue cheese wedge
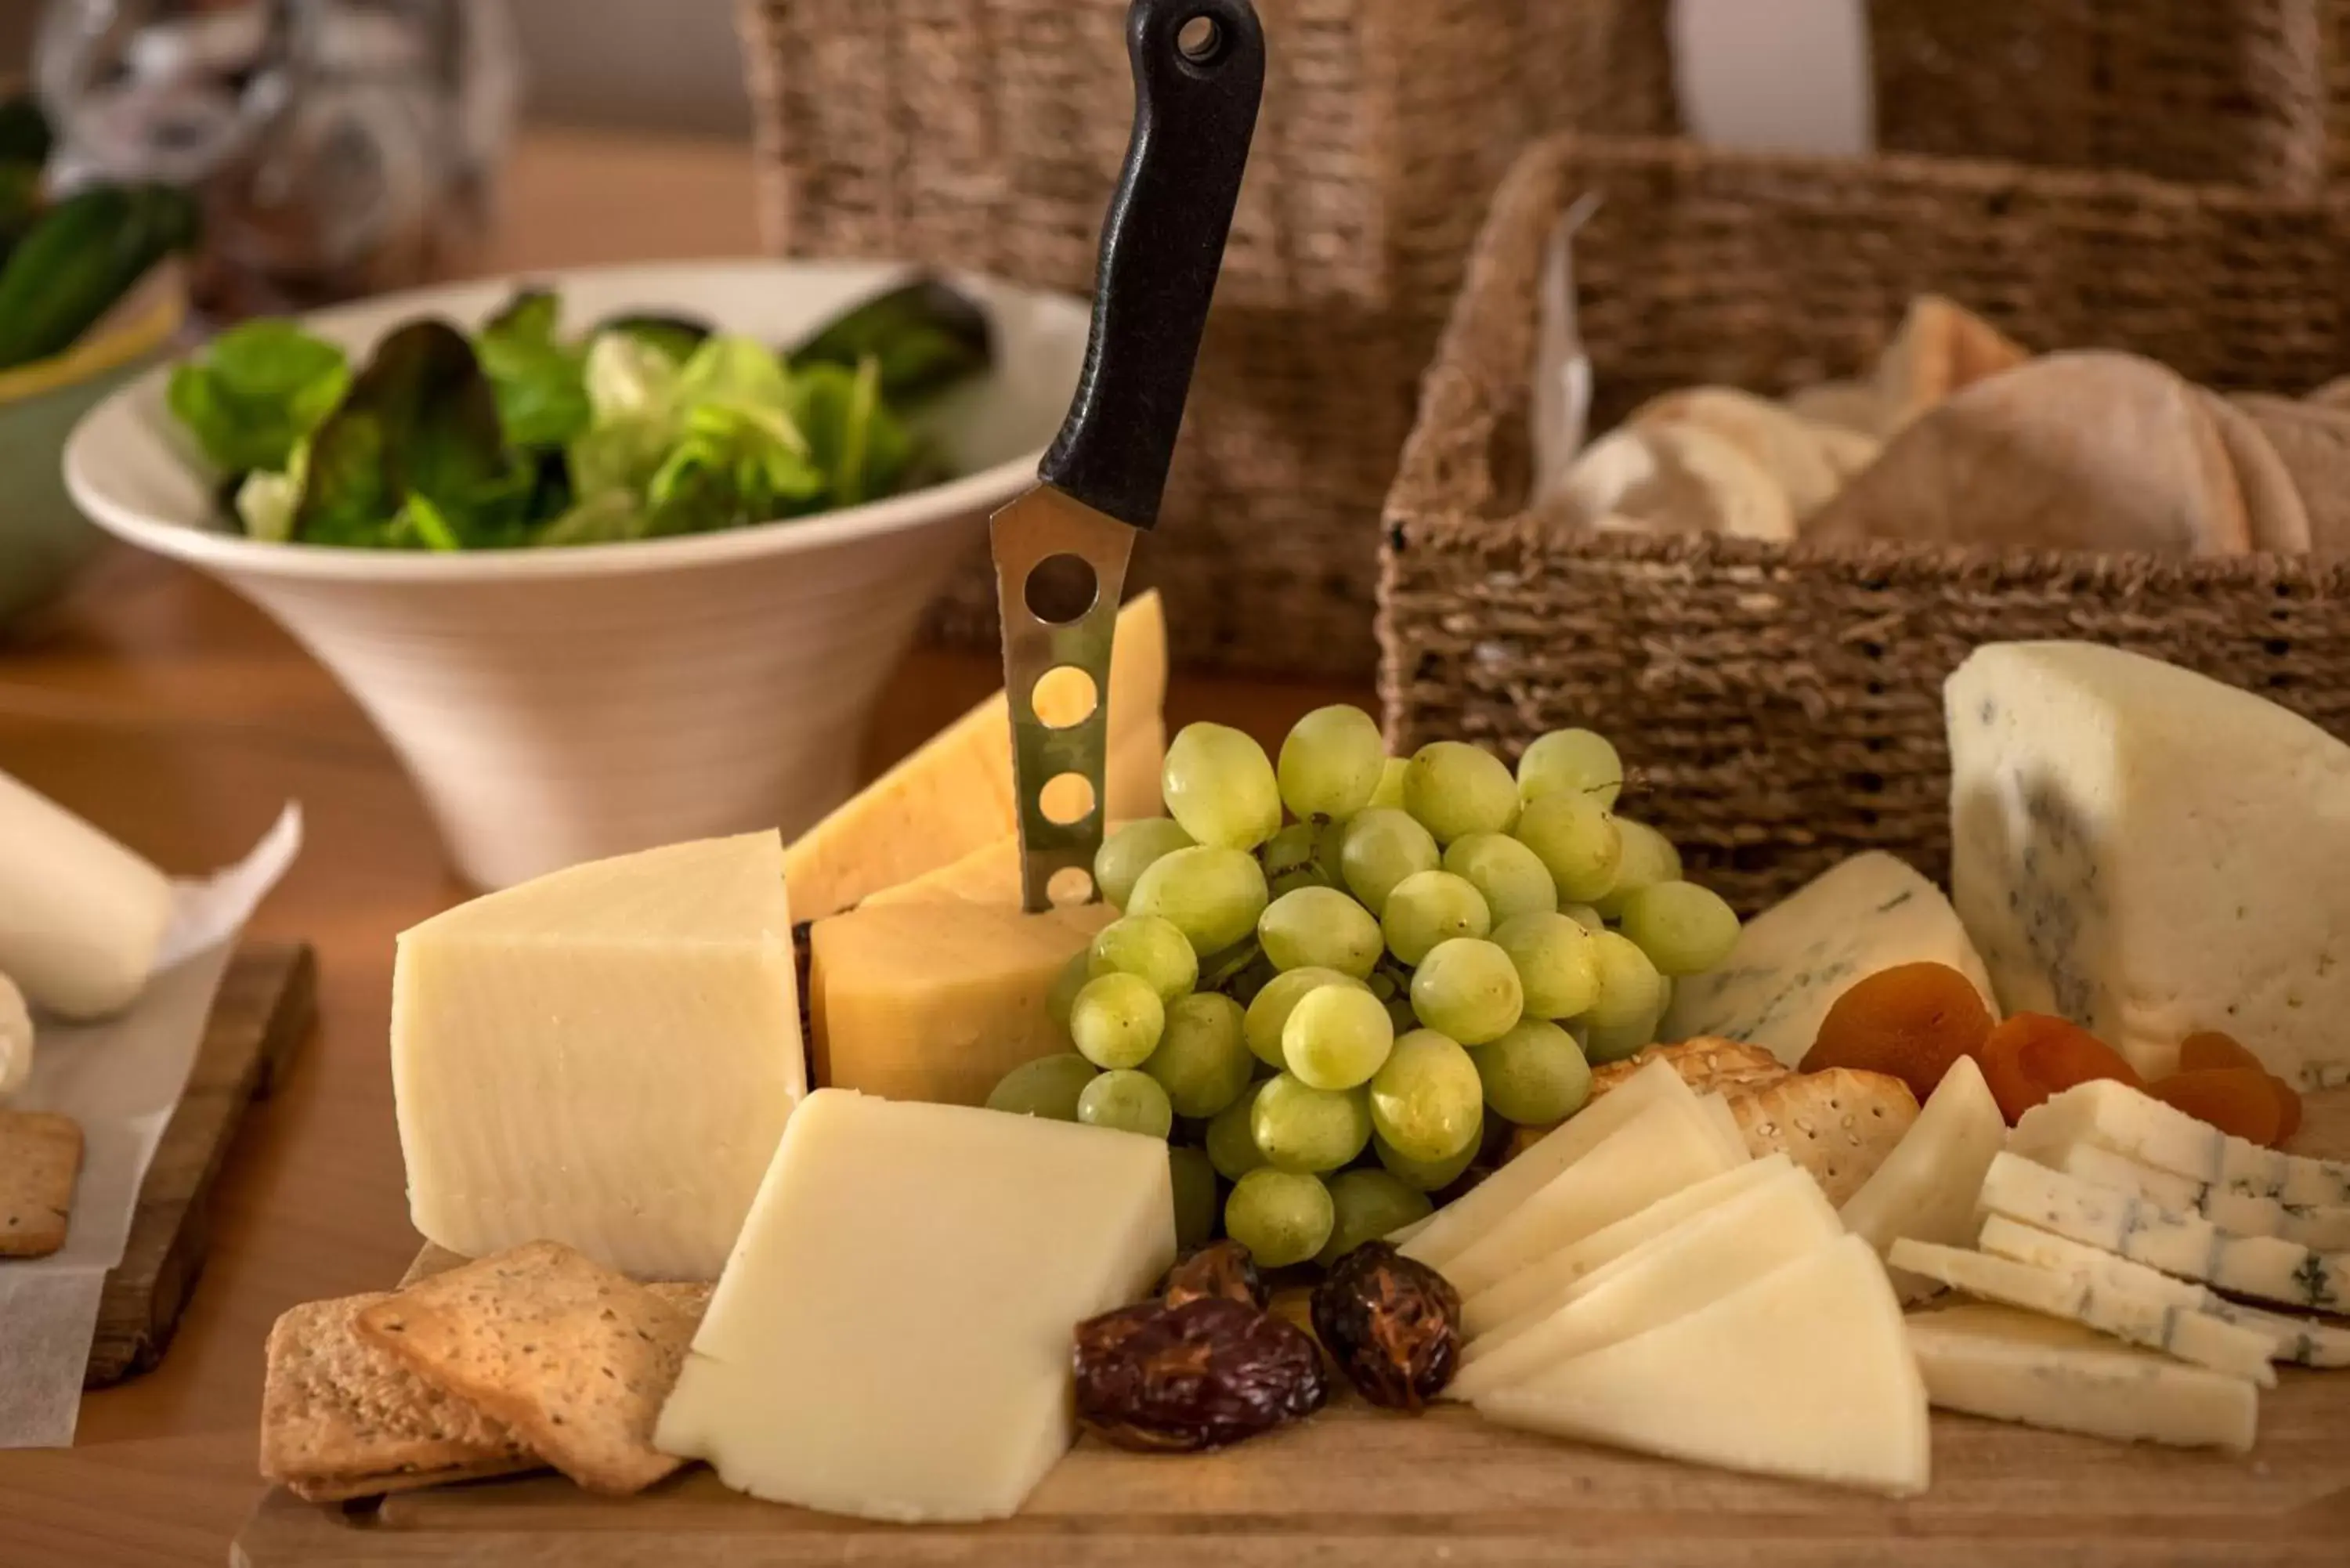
x=2186 y=1245
x=1794 y=961
x=2116 y=1116
x=2011 y=1365
x=2150 y=853
x=2322 y=1227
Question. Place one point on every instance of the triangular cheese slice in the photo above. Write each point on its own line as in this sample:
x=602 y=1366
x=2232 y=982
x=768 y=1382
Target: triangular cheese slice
x=954 y=795
x=1805 y=1372
x=1926 y=1187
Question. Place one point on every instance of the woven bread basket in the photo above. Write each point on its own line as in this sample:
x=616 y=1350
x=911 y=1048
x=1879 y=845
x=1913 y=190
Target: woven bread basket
x=1781 y=704
x=987 y=134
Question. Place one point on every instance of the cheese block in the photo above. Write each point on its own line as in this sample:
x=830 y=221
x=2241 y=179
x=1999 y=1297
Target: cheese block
x=2129 y=1121
x=1663 y=1149
x=2321 y=1226
x=1805 y=1372
x=890 y=1338
x=954 y=795
x=604 y=1057
x=2011 y=1365
x=1794 y=960
x=1926 y=1187
x=938 y=1001
x=81 y=917
x=2300 y=1341
x=2113 y=874
x=1541 y=1288
x=1699 y=1262
x=2139 y=1317
x=1468 y=1219
x=2187 y=1245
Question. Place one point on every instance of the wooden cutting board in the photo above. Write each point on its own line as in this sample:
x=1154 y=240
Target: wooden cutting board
x=267 y=1001
x=1359 y=1486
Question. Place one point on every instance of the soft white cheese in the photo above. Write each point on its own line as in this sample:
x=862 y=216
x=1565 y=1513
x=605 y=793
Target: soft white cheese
x=81 y=917
x=2129 y=1121
x=2150 y=853
x=2322 y=1226
x=1926 y=1187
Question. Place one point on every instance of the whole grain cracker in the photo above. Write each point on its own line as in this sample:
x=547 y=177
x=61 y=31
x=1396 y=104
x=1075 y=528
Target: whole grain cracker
x=344 y=1489
x=1838 y=1125
x=688 y=1295
x=577 y=1358
x=40 y=1155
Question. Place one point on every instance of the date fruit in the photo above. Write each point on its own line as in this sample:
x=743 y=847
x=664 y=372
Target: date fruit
x=1393 y=1325
x=1178 y=1379
x=1220 y=1269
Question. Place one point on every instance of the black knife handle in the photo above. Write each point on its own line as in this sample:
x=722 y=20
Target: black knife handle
x=1162 y=244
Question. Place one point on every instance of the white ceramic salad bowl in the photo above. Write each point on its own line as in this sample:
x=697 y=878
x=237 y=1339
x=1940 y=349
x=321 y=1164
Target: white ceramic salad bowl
x=559 y=704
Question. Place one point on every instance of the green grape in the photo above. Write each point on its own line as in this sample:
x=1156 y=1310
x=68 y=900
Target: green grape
x=1388 y=797
x=1116 y=1021
x=1381 y=847
x=1368 y=1204
x=1630 y=989
x=1534 y=1075
x=1400 y=1014
x=1213 y=895
x=1047 y=1087
x=1231 y=1136
x=1195 y=1197
x=1468 y=988
x=1576 y=840
x=1319 y=927
x=1511 y=878
x=1201 y=1061
x=1649 y=859
x=1300 y=1127
x=1128 y=1100
x=1149 y=949
x=1431 y=906
x=1281 y=1218
x=1603 y=1043
x=1336 y=1037
x=1292 y=859
x=1219 y=786
x=1331 y=763
x=1424 y=1100
x=1558 y=961
x=1268 y=1015
x=1571 y=761
x=1065 y=986
x=1684 y=928
x=1129 y=851
x=1455 y=789
x=1584 y=915
x=1429 y=1175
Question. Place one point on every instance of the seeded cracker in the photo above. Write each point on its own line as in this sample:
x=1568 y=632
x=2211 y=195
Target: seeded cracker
x=577 y=1359
x=40 y=1154
x=342 y=1418
x=1708 y=1065
x=1838 y=1125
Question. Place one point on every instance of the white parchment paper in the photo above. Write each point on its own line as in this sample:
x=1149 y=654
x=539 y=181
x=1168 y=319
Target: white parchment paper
x=122 y=1080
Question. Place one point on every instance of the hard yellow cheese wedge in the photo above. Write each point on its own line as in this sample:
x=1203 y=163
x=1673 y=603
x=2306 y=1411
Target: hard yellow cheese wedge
x=954 y=795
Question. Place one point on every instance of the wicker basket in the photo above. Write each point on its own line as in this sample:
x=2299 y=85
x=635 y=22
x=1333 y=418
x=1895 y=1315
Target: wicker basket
x=2225 y=91
x=1782 y=704
x=987 y=134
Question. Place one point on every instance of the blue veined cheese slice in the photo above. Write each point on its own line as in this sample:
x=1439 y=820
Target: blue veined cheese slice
x=1794 y=960
x=2321 y=1227
x=2129 y=1121
x=2150 y=853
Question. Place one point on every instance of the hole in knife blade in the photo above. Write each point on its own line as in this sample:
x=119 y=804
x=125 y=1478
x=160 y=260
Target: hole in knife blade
x=1060 y=589
x=1065 y=695
x=1199 y=40
x=1066 y=799
x=1070 y=885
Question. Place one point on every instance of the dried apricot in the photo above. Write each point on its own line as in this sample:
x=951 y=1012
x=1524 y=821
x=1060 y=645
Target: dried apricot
x=2288 y=1110
x=2239 y=1100
x=1910 y=1021
x=2034 y=1055
x=2211 y=1049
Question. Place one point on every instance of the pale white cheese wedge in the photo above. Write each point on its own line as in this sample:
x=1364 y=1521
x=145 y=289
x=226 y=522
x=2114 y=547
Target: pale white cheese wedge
x=1794 y=960
x=15 y=1039
x=2142 y=1318
x=2148 y=853
x=604 y=1057
x=1699 y=1262
x=1727 y=1132
x=2319 y=1226
x=2129 y=1121
x=2011 y=1365
x=2187 y=1245
x=1663 y=1149
x=1465 y=1221
x=1926 y=1187
x=81 y=917
x=890 y=1338
x=1805 y=1372
x=1543 y=1287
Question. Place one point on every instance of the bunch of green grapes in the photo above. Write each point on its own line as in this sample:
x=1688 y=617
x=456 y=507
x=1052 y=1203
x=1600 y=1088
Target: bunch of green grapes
x=1338 y=976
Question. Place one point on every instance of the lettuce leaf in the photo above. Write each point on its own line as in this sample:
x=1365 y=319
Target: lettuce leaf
x=259 y=390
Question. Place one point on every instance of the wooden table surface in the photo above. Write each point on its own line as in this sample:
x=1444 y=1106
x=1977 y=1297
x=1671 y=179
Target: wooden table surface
x=179 y=718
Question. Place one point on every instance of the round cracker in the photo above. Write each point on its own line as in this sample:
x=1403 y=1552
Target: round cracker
x=2272 y=505
x=1783 y=444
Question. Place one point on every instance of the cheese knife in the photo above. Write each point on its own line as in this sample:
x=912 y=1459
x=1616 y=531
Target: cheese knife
x=1061 y=550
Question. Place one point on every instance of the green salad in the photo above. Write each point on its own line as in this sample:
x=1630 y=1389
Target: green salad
x=645 y=427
